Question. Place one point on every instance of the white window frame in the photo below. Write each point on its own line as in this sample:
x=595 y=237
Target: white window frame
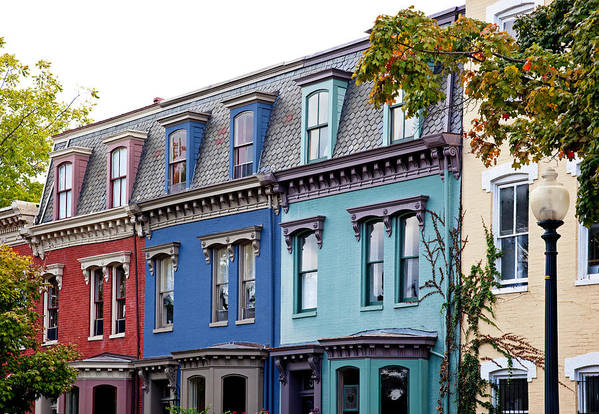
x=499 y=369
x=92 y=305
x=579 y=367
x=503 y=11
x=507 y=374
x=492 y=180
x=114 y=334
x=51 y=271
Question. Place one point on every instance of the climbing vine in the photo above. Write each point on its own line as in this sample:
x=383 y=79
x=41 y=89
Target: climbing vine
x=468 y=305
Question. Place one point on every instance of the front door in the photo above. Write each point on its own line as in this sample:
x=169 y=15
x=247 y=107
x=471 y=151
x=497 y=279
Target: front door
x=104 y=399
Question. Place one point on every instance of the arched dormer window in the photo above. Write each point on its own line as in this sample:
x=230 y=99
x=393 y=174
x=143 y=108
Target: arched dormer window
x=65 y=190
x=177 y=160
x=118 y=176
x=318 y=125
x=243 y=153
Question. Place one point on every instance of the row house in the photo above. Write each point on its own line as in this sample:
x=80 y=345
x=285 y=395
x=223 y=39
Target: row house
x=256 y=244
x=500 y=195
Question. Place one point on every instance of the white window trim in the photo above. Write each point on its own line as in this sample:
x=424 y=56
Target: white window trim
x=495 y=11
x=581 y=364
x=500 y=367
x=92 y=292
x=158 y=326
x=53 y=270
x=492 y=180
x=113 y=308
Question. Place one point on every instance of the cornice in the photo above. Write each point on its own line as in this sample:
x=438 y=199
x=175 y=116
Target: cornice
x=106 y=225
x=285 y=356
x=315 y=224
x=378 y=346
x=236 y=196
x=206 y=357
x=14 y=218
x=71 y=151
x=388 y=209
x=250 y=97
x=126 y=135
x=104 y=261
x=390 y=164
x=183 y=116
x=323 y=75
x=167 y=249
x=229 y=238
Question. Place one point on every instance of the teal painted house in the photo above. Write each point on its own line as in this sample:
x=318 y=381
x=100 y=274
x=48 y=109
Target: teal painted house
x=354 y=336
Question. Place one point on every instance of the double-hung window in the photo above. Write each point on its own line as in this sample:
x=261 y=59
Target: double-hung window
x=348 y=390
x=408 y=262
x=52 y=310
x=318 y=127
x=307 y=272
x=221 y=285
x=177 y=160
x=97 y=305
x=513 y=232
x=65 y=189
x=165 y=293
x=374 y=262
x=247 y=281
x=118 y=176
x=588 y=392
x=511 y=394
x=402 y=127
x=243 y=151
x=119 y=301
x=589 y=254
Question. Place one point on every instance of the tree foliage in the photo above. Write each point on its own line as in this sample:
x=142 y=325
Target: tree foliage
x=31 y=111
x=539 y=96
x=26 y=372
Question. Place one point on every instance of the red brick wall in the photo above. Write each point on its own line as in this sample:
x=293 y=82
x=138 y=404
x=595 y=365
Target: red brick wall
x=74 y=299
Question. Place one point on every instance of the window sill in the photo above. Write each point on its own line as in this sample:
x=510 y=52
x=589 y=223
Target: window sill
x=406 y=304
x=510 y=289
x=245 y=321
x=301 y=315
x=371 y=308
x=588 y=281
x=95 y=338
x=218 y=324
x=119 y=335
x=163 y=330
x=50 y=343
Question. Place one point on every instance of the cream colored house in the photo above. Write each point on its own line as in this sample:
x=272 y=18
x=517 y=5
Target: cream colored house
x=499 y=195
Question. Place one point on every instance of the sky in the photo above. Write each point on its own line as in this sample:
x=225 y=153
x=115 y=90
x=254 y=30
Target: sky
x=132 y=51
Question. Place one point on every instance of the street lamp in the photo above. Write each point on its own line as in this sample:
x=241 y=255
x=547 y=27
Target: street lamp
x=549 y=203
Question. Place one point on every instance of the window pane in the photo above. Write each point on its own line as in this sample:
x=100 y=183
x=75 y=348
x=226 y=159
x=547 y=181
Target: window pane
x=62 y=205
x=411 y=233
x=115 y=164
x=178 y=145
x=167 y=277
x=309 y=289
x=244 y=124
x=197 y=393
x=323 y=142
x=123 y=162
x=591 y=393
x=99 y=287
x=410 y=127
x=394 y=390
x=323 y=108
x=123 y=182
x=309 y=253
x=243 y=154
x=68 y=204
x=248 y=260
x=508 y=259
x=593 y=257
x=234 y=394
x=68 y=175
x=522 y=256
x=168 y=305
x=312 y=110
x=513 y=395
x=348 y=393
x=178 y=173
x=61 y=177
x=410 y=278
x=397 y=120
x=313 y=144
x=116 y=193
x=376 y=239
x=506 y=215
x=221 y=261
x=522 y=208
x=375 y=282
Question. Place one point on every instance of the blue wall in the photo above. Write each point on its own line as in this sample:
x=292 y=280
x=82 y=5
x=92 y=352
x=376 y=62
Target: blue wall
x=193 y=288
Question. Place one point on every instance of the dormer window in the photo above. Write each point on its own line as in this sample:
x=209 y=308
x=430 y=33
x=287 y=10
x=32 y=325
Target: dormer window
x=250 y=114
x=124 y=152
x=118 y=176
x=323 y=94
x=397 y=126
x=65 y=186
x=318 y=125
x=184 y=132
x=243 y=144
x=177 y=160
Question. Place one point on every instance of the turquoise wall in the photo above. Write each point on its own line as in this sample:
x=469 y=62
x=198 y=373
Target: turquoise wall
x=339 y=311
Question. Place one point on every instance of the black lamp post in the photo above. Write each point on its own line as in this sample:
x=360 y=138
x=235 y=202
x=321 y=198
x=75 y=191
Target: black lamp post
x=549 y=203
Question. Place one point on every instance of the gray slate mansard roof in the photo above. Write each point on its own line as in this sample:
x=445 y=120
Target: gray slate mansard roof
x=360 y=128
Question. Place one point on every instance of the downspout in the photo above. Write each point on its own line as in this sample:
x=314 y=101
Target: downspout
x=138 y=353
x=273 y=295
